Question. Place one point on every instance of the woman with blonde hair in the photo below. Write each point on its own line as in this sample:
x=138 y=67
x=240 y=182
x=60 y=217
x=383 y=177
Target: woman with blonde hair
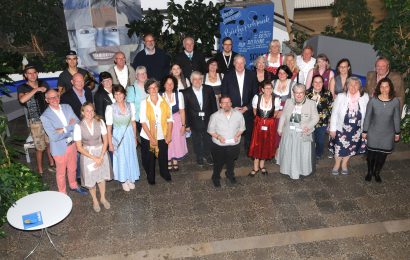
x=322 y=68
x=290 y=61
x=274 y=58
x=91 y=140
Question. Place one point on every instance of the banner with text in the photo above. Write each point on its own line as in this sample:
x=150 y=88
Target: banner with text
x=250 y=28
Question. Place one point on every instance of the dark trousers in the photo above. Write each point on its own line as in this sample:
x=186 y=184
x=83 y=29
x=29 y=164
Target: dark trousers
x=224 y=155
x=319 y=138
x=201 y=141
x=148 y=160
x=248 y=132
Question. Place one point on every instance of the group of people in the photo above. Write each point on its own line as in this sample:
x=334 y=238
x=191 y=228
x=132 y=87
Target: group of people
x=283 y=109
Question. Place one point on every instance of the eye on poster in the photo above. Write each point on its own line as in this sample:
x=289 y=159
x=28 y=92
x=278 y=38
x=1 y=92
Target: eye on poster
x=96 y=30
x=250 y=28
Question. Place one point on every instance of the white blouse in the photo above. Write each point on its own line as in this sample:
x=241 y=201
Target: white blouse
x=262 y=105
x=213 y=84
x=77 y=130
x=181 y=102
x=109 y=114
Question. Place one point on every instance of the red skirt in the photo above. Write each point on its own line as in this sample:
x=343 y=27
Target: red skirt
x=263 y=141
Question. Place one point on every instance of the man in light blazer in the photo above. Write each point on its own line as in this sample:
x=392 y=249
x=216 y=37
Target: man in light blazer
x=241 y=86
x=58 y=121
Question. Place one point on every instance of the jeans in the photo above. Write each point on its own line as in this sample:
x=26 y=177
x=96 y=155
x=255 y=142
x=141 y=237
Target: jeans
x=319 y=138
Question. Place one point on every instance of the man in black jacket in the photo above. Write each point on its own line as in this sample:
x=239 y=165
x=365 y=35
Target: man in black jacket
x=77 y=95
x=241 y=86
x=225 y=57
x=190 y=60
x=200 y=104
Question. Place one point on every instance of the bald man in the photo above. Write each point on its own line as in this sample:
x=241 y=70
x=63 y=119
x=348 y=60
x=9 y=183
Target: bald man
x=122 y=73
x=77 y=95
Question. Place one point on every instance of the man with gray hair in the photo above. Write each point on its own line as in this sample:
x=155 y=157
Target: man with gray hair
x=122 y=73
x=190 y=60
x=200 y=104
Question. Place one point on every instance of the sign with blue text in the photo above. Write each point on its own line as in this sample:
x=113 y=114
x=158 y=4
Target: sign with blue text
x=250 y=28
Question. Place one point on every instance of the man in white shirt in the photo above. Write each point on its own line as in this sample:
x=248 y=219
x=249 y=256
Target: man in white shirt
x=122 y=73
x=306 y=62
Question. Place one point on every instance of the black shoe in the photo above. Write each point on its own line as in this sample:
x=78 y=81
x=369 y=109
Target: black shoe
x=216 y=183
x=80 y=191
x=233 y=180
x=200 y=161
x=368 y=177
x=377 y=178
x=209 y=160
x=151 y=182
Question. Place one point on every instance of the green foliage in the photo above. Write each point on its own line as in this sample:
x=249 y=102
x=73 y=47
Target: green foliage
x=299 y=38
x=195 y=19
x=16 y=181
x=355 y=20
x=24 y=19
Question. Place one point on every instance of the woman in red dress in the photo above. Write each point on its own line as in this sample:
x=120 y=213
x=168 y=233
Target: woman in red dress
x=263 y=138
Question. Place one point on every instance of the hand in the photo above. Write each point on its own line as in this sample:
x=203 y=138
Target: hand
x=396 y=138
x=221 y=139
x=41 y=89
x=332 y=134
x=72 y=121
x=188 y=129
x=183 y=130
x=244 y=109
x=278 y=114
x=236 y=138
x=364 y=135
x=60 y=130
x=98 y=161
x=238 y=109
x=279 y=133
x=305 y=130
x=168 y=140
x=111 y=148
x=153 y=143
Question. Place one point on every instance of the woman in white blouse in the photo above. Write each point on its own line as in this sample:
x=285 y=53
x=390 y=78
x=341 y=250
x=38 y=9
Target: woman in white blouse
x=91 y=140
x=212 y=78
x=177 y=149
x=183 y=83
x=156 y=134
x=122 y=139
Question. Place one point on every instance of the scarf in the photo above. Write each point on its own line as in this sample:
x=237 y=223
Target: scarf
x=165 y=114
x=353 y=102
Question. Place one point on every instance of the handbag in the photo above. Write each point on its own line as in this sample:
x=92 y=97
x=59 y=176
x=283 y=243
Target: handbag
x=117 y=144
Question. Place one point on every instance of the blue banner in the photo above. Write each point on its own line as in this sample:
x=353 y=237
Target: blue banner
x=250 y=28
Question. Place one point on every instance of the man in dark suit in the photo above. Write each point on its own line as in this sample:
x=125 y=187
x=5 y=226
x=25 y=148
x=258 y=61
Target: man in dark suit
x=225 y=57
x=200 y=104
x=190 y=60
x=77 y=95
x=103 y=97
x=241 y=86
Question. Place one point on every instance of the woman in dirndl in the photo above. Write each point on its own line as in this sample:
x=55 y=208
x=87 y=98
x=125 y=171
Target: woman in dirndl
x=263 y=139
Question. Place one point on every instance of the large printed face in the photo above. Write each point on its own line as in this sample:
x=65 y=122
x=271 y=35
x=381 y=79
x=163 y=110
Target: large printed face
x=96 y=30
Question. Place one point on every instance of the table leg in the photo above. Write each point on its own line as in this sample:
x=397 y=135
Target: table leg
x=51 y=241
x=38 y=243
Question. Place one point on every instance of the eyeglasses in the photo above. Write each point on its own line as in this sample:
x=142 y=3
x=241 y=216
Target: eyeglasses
x=54 y=97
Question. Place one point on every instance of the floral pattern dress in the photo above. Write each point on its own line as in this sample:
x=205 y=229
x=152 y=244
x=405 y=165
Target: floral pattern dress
x=349 y=142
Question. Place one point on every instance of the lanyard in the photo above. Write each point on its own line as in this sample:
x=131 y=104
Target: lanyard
x=229 y=61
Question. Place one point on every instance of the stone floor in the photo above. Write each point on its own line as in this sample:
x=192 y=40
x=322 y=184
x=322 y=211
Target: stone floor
x=267 y=217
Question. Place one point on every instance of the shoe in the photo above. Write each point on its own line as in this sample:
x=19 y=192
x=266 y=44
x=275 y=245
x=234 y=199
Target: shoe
x=51 y=168
x=217 y=183
x=209 y=160
x=345 y=171
x=151 y=183
x=169 y=166
x=106 y=204
x=264 y=171
x=80 y=191
x=377 y=178
x=335 y=172
x=168 y=180
x=125 y=187
x=175 y=167
x=96 y=207
x=233 y=180
x=330 y=156
x=200 y=161
x=318 y=158
x=130 y=185
x=253 y=173
x=368 y=177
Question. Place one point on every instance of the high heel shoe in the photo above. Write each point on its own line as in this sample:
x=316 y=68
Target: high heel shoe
x=253 y=173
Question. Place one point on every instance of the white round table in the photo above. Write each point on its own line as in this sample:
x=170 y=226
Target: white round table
x=54 y=207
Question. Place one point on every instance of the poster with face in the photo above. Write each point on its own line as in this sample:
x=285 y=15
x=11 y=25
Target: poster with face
x=96 y=30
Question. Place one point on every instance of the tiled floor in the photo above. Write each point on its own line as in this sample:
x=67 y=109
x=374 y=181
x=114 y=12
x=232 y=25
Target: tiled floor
x=265 y=217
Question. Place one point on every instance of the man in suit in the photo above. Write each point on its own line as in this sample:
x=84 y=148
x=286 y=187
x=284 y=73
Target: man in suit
x=190 y=60
x=200 y=104
x=241 y=86
x=382 y=67
x=154 y=59
x=77 y=95
x=58 y=121
x=122 y=73
x=225 y=57
x=104 y=96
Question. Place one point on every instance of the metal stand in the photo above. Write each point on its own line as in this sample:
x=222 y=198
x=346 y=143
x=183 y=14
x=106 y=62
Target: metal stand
x=44 y=230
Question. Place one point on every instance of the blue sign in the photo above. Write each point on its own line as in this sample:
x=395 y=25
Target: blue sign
x=250 y=28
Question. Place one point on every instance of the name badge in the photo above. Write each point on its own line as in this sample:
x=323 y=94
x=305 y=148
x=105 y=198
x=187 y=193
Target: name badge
x=264 y=128
x=201 y=114
x=292 y=127
x=280 y=107
x=352 y=121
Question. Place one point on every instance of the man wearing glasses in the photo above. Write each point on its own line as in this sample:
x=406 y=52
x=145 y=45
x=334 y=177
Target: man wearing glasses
x=225 y=57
